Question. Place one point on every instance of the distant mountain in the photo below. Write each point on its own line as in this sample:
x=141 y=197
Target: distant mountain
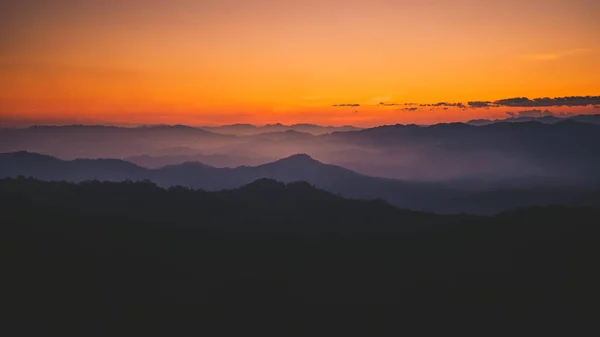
x=249 y=129
x=591 y=119
x=302 y=167
x=410 y=195
x=49 y=168
x=197 y=175
x=516 y=137
x=317 y=129
x=288 y=135
x=441 y=152
x=91 y=141
x=480 y=122
x=216 y=160
x=564 y=149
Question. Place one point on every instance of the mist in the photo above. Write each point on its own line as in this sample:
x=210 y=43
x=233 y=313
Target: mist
x=453 y=153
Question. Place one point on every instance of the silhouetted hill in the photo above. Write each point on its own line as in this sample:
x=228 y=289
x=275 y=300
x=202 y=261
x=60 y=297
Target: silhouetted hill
x=297 y=200
x=216 y=160
x=116 y=255
x=50 y=168
x=197 y=175
x=302 y=167
x=438 y=197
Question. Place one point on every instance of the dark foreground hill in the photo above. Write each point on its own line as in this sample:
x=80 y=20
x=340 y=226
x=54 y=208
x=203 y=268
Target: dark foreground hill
x=114 y=256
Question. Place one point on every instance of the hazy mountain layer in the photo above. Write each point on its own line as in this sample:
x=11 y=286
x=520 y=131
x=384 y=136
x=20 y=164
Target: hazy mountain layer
x=565 y=152
x=249 y=129
x=478 y=197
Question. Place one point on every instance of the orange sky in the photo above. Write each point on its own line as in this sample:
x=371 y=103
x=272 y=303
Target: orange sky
x=264 y=61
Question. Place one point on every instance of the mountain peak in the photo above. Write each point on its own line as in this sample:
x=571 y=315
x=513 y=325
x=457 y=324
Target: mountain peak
x=296 y=161
x=263 y=184
x=26 y=155
x=188 y=165
x=300 y=158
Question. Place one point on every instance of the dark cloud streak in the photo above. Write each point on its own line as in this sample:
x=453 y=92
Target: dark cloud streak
x=524 y=102
x=481 y=104
x=445 y=104
x=549 y=102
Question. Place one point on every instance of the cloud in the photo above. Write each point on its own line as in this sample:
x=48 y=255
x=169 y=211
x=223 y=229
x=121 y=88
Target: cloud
x=481 y=104
x=548 y=102
x=522 y=102
x=347 y=105
x=445 y=104
x=516 y=102
x=410 y=109
x=534 y=113
x=459 y=105
x=388 y=104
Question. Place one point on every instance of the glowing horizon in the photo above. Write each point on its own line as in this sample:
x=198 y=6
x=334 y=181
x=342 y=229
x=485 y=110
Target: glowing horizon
x=265 y=61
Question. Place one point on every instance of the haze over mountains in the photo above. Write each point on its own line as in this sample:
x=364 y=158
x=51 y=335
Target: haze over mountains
x=477 y=197
x=539 y=116
x=249 y=129
x=563 y=151
x=446 y=168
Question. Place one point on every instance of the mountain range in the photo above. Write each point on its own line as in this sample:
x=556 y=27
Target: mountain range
x=437 y=197
x=249 y=129
x=547 y=119
x=563 y=151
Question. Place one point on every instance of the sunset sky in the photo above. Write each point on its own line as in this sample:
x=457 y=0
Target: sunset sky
x=265 y=61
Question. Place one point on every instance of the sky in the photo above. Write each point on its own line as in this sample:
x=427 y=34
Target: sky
x=334 y=62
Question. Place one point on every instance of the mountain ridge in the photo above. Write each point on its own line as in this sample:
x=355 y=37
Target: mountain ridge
x=300 y=167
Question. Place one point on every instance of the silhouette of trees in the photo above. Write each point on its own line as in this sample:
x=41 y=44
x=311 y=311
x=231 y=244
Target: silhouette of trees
x=103 y=251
